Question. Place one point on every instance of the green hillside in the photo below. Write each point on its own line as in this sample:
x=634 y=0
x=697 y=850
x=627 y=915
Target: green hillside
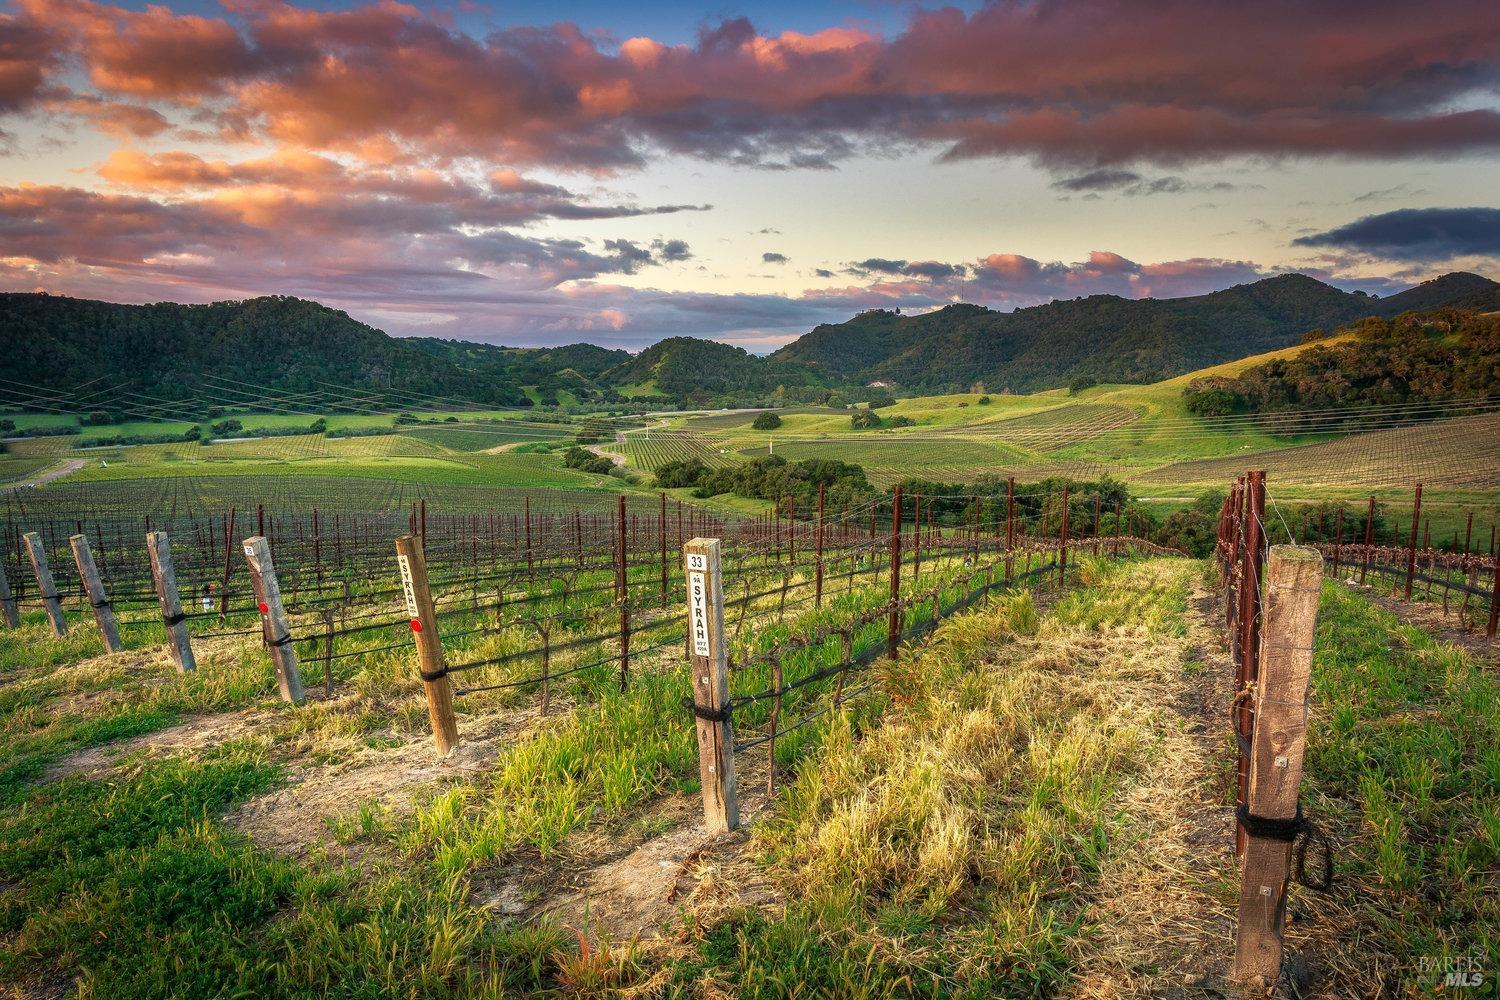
x=1102 y=338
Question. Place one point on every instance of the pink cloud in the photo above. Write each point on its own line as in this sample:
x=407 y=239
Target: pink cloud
x=1083 y=82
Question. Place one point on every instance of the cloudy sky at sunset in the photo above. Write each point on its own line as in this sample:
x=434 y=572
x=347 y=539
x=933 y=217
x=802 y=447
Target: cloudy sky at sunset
x=531 y=173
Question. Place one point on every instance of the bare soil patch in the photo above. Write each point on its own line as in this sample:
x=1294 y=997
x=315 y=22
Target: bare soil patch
x=196 y=734
x=633 y=880
x=299 y=816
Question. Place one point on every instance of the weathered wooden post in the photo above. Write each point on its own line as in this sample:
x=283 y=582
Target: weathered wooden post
x=1411 y=548
x=622 y=576
x=37 y=552
x=8 y=614
x=818 y=554
x=1369 y=541
x=104 y=614
x=661 y=539
x=433 y=669
x=164 y=579
x=711 y=705
x=1270 y=815
x=1249 y=622
x=1338 y=538
x=273 y=617
x=1062 y=550
x=1010 y=525
x=1489 y=630
x=893 y=623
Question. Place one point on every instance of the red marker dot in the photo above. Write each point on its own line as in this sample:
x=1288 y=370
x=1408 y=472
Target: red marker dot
x=416 y=626
x=264 y=610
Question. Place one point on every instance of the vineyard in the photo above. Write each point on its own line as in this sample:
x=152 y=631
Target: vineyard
x=650 y=450
x=490 y=704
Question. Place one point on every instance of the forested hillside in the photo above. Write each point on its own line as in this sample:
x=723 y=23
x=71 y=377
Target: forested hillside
x=704 y=371
x=167 y=350
x=1101 y=338
x=1436 y=356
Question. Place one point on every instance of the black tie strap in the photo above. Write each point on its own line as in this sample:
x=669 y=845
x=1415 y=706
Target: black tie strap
x=284 y=640
x=435 y=675
x=172 y=621
x=102 y=604
x=710 y=714
x=1298 y=831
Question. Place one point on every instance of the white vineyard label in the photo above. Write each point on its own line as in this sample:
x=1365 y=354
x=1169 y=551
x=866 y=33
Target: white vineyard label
x=698 y=603
x=406 y=585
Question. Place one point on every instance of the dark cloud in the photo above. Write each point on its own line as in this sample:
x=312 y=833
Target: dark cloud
x=772 y=257
x=1132 y=184
x=931 y=270
x=878 y=265
x=823 y=272
x=1417 y=234
x=672 y=250
x=1104 y=179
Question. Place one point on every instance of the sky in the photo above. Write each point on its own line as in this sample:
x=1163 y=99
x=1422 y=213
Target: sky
x=540 y=173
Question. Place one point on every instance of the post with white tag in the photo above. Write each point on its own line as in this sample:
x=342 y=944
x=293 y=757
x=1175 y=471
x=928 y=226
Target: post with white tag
x=710 y=664
x=278 y=631
x=433 y=668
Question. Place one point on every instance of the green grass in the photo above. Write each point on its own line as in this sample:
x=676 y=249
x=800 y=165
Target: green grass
x=948 y=851
x=1404 y=766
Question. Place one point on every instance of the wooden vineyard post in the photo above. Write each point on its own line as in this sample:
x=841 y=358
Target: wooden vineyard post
x=705 y=592
x=1096 y=523
x=433 y=669
x=1010 y=525
x=278 y=630
x=1249 y=622
x=1369 y=541
x=622 y=575
x=164 y=579
x=224 y=584
x=43 y=573
x=661 y=537
x=1294 y=577
x=93 y=587
x=8 y=614
x=1338 y=539
x=1411 y=548
x=893 y=623
x=1062 y=551
x=818 y=556
x=1489 y=629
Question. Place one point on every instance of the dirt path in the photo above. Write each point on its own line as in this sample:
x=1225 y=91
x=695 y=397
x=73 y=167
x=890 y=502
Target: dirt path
x=69 y=467
x=1162 y=923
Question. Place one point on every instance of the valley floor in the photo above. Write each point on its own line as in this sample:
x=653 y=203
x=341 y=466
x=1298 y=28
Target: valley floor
x=1038 y=804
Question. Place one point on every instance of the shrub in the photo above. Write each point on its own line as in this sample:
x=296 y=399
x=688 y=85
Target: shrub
x=767 y=421
x=586 y=461
x=984 y=401
x=864 y=420
x=688 y=472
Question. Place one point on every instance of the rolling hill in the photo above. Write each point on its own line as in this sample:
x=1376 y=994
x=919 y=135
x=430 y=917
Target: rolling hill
x=1102 y=338
x=168 y=351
